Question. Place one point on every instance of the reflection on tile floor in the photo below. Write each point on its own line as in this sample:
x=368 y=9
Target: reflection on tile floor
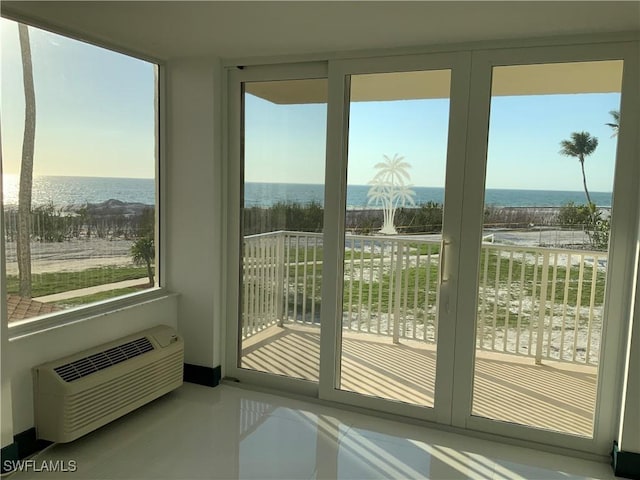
x=227 y=432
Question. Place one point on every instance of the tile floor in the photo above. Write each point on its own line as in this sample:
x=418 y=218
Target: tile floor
x=228 y=432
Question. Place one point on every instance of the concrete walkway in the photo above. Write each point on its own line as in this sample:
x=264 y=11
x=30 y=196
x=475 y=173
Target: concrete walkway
x=91 y=290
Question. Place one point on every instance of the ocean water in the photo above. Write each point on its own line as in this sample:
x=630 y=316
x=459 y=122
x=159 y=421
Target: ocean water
x=263 y=194
x=65 y=191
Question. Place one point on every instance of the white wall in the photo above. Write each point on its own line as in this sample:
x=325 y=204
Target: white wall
x=6 y=416
x=193 y=203
x=192 y=250
x=38 y=348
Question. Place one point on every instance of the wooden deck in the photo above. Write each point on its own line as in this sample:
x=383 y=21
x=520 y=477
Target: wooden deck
x=555 y=396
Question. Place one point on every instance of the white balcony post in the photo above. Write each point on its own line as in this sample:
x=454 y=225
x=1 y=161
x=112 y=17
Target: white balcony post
x=396 y=295
x=280 y=267
x=542 y=305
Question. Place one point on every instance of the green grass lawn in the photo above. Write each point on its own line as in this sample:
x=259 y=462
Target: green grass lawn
x=515 y=279
x=49 y=283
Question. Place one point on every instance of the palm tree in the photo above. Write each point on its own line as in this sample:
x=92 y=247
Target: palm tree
x=581 y=145
x=615 y=125
x=23 y=245
x=144 y=253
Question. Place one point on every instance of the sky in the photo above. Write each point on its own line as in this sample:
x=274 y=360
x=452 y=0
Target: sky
x=286 y=143
x=95 y=117
x=94 y=108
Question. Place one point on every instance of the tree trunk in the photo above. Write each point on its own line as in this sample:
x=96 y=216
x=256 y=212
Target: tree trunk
x=150 y=274
x=584 y=182
x=23 y=244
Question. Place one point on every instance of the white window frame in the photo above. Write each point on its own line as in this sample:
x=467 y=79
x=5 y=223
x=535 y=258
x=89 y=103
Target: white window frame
x=42 y=323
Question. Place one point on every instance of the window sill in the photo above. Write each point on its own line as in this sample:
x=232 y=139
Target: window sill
x=36 y=325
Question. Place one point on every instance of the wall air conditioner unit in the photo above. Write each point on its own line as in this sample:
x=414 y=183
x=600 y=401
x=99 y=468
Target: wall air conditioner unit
x=79 y=393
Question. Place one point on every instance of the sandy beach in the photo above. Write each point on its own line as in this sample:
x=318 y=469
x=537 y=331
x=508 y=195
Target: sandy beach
x=72 y=255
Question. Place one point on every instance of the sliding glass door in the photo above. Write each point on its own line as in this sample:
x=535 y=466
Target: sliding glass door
x=279 y=189
x=443 y=236
x=398 y=154
x=546 y=244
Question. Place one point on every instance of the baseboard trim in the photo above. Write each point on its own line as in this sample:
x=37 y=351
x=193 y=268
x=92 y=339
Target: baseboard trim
x=9 y=455
x=625 y=464
x=24 y=445
x=207 y=376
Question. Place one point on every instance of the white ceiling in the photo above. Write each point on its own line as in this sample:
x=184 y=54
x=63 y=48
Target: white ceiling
x=164 y=30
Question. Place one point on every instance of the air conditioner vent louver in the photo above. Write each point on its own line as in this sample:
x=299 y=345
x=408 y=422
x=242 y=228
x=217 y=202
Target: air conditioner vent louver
x=99 y=361
x=76 y=394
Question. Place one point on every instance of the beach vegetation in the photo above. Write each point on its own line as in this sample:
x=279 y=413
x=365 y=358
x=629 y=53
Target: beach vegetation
x=291 y=216
x=571 y=214
x=426 y=218
x=143 y=252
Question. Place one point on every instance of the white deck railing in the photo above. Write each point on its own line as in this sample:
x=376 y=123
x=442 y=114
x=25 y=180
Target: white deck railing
x=537 y=302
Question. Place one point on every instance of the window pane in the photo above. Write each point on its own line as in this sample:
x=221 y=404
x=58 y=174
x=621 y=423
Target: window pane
x=78 y=172
x=398 y=130
x=282 y=209
x=543 y=266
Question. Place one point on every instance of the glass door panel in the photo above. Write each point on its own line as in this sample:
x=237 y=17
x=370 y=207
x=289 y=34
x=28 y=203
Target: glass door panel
x=397 y=155
x=544 y=256
x=284 y=136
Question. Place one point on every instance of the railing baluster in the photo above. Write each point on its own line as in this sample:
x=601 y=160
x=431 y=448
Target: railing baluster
x=578 y=305
x=542 y=305
x=483 y=314
x=360 y=285
x=254 y=288
x=552 y=304
x=280 y=269
x=533 y=302
x=427 y=304
x=592 y=299
x=392 y=277
x=313 y=280
x=351 y=255
x=494 y=320
x=380 y=282
x=416 y=290
x=396 y=296
x=245 y=291
x=295 y=280
x=565 y=299
x=405 y=289
x=507 y=314
x=262 y=286
x=371 y=267
x=287 y=286
x=304 y=279
x=523 y=265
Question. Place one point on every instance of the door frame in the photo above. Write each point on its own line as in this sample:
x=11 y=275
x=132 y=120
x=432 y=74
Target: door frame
x=621 y=249
x=235 y=179
x=455 y=372
x=335 y=198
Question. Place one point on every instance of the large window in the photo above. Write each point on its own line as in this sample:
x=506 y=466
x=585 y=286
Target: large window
x=79 y=140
